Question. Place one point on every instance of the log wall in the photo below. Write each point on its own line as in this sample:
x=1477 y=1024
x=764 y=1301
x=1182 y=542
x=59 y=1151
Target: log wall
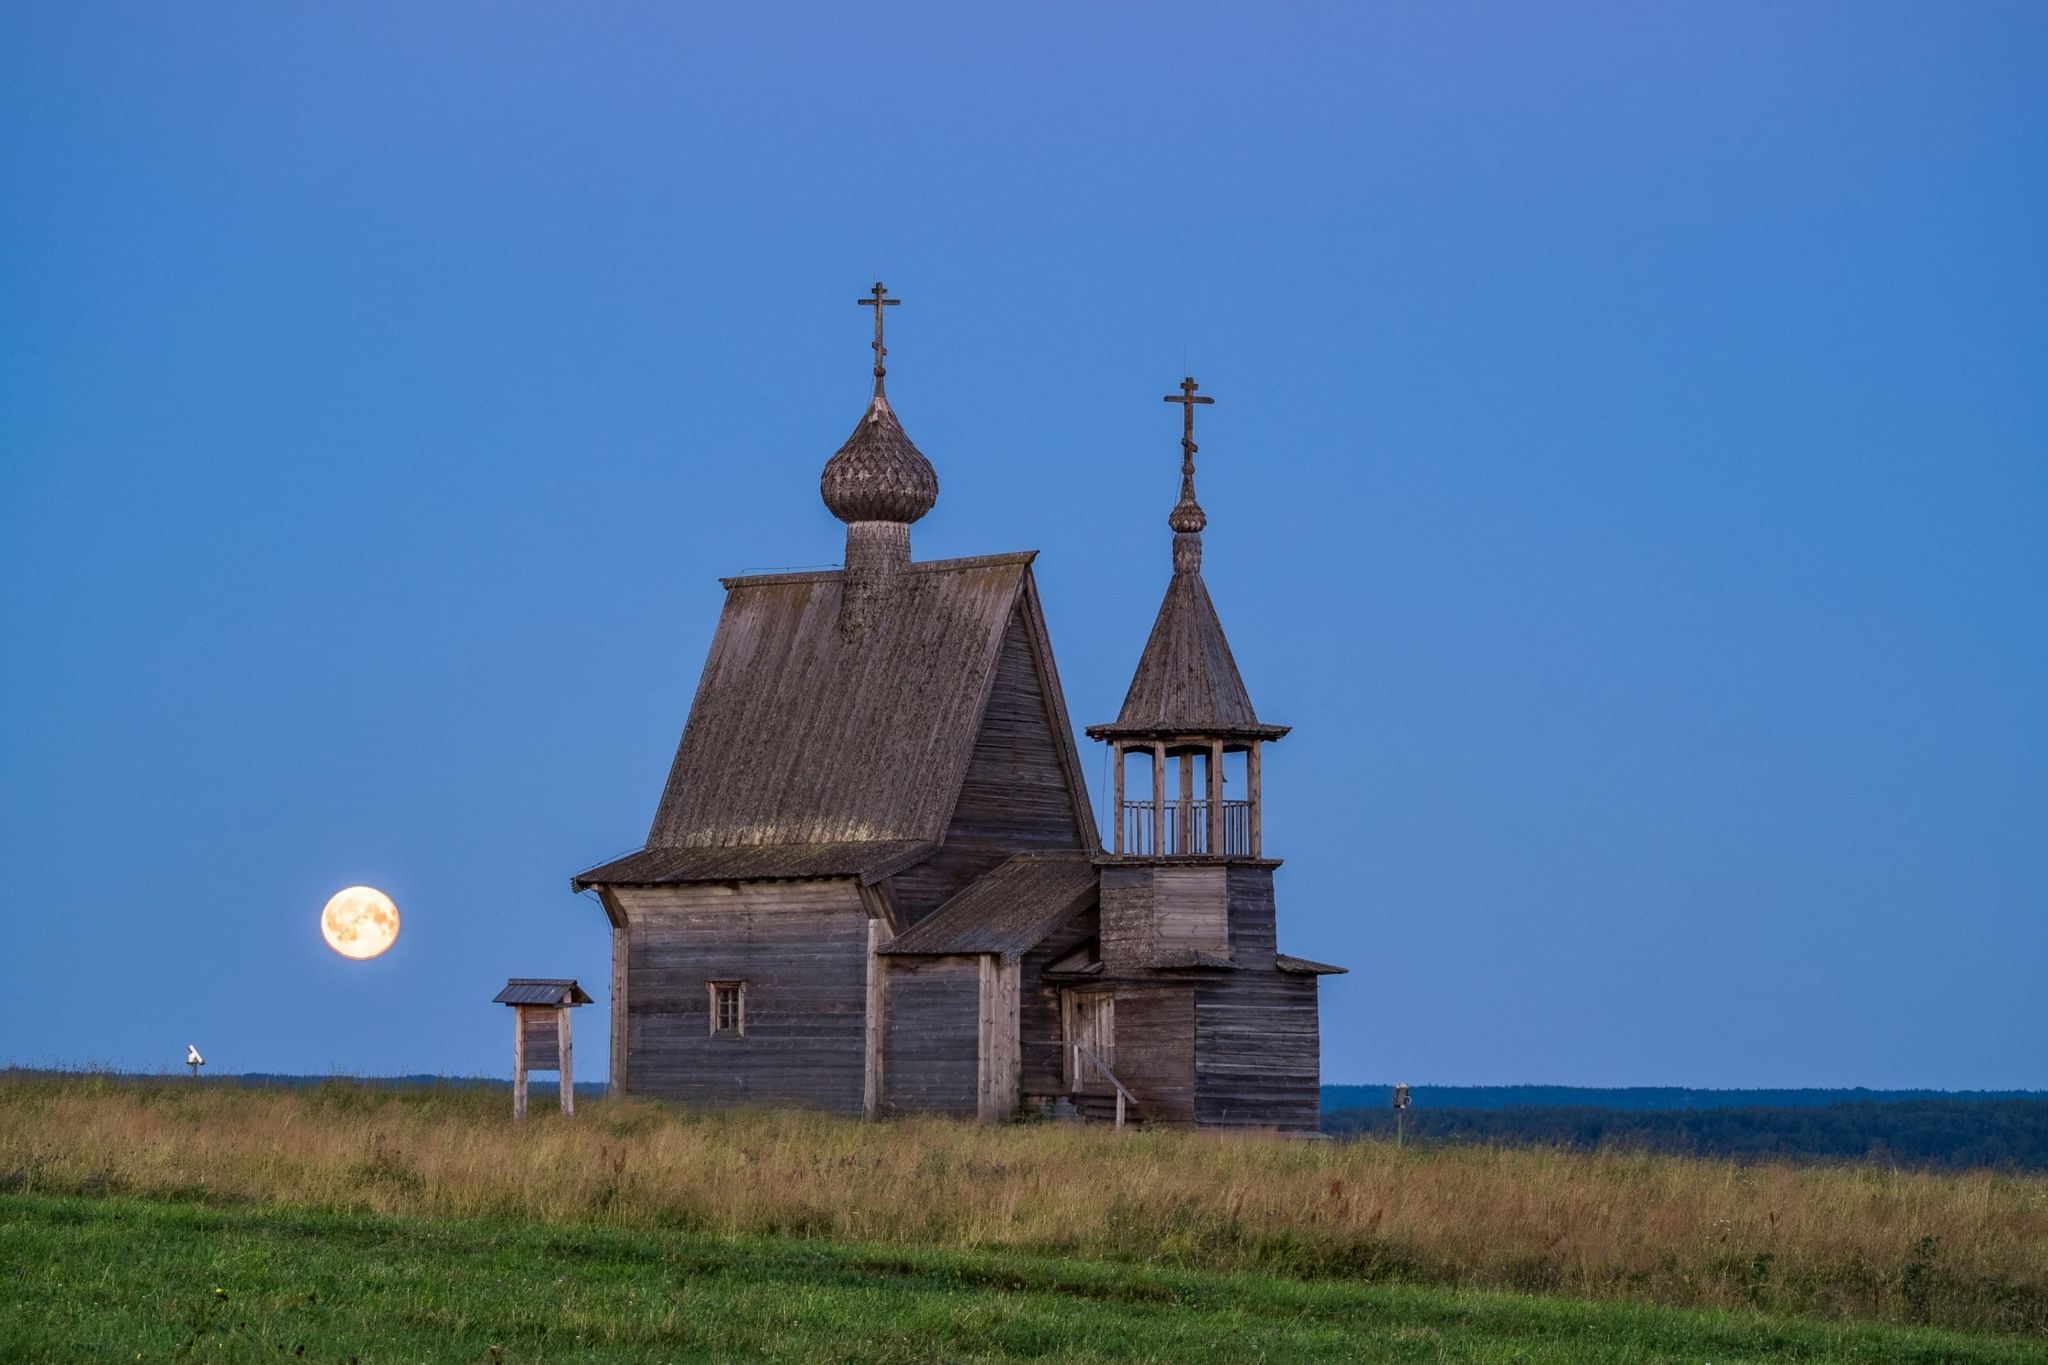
x=801 y=947
x=932 y=1035
x=1257 y=1056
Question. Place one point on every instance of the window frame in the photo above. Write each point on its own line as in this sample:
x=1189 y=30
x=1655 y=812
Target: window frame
x=738 y=1028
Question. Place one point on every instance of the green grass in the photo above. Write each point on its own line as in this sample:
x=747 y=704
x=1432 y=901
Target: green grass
x=121 y=1279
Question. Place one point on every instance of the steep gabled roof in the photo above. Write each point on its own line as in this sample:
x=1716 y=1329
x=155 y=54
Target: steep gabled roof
x=1187 y=681
x=1006 y=911
x=810 y=753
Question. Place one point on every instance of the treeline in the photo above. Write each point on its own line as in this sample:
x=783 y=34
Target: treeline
x=1638 y=1096
x=1947 y=1134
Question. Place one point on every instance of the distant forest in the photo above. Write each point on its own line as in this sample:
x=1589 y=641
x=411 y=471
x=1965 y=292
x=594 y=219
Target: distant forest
x=1636 y=1097
x=1949 y=1133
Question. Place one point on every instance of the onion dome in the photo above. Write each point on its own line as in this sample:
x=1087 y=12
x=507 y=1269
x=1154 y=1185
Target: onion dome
x=878 y=475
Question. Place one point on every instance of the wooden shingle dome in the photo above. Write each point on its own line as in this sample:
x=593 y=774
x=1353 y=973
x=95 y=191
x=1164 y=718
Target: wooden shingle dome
x=878 y=475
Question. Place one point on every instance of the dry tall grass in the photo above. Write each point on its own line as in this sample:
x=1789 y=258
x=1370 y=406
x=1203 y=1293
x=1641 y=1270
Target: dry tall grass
x=1967 y=1251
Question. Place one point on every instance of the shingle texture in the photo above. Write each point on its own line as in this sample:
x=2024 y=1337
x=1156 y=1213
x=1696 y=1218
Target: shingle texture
x=1187 y=681
x=1007 y=911
x=878 y=475
x=870 y=861
x=537 y=990
x=822 y=754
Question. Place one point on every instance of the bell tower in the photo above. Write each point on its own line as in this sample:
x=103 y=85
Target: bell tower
x=1185 y=877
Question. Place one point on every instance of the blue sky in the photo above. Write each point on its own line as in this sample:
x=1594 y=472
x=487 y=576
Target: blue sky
x=1627 y=478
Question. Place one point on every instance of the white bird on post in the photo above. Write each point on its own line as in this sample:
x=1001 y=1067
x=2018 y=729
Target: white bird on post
x=194 y=1060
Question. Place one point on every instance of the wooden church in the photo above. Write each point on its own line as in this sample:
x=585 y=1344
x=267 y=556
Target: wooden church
x=874 y=883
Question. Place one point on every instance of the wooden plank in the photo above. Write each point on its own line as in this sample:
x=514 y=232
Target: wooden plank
x=519 y=1062
x=1257 y=797
x=1116 y=804
x=1215 y=799
x=985 y=1061
x=1158 y=801
x=622 y=950
x=875 y=1054
x=568 y=1068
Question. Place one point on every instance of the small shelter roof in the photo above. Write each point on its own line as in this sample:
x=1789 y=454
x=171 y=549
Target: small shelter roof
x=1008 y=910
x=1286 y=962
x=542 y=990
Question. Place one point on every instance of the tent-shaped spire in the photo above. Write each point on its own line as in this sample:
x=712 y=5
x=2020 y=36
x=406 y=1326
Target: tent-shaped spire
x=1187 y=683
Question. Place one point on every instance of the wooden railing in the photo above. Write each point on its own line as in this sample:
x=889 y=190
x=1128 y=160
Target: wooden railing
x=1123 y=1096
x=1186 y=829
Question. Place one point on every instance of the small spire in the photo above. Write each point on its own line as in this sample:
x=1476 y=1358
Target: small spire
x=877 y=300
x=1187 y=518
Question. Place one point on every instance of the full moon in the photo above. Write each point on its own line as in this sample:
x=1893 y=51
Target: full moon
x=359 y=922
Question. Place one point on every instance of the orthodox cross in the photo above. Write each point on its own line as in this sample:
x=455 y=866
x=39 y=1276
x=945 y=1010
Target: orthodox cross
x=1187 y=400
x=876 y=300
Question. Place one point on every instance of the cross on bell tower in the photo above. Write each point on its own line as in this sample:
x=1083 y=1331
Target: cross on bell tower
x=1187 y=709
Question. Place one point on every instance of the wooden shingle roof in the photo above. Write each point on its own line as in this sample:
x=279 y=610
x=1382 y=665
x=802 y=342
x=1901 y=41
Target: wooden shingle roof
x=808 y=753
x=1187 y=682
x=870 y=860
x=1006 y=911
x=542 y=990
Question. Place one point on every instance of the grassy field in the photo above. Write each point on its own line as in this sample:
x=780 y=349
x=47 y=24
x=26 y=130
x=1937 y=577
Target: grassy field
x=1018 y=1230
x=109 y=1279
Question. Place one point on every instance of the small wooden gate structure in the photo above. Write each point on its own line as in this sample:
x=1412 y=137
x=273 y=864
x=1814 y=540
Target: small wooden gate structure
x=540 y=1033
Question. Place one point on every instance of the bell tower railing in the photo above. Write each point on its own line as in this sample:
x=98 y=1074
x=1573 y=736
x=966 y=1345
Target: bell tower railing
x=1196 y=821
x=1176 y=829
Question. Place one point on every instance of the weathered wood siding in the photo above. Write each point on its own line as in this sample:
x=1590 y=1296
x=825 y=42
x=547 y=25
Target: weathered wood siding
x=801 y=947
x=1191 y=909
x=932 y=1035
x=1251 y=917
x=1015 y=797
x=543 y=1045
x=1155 y=1049
x=1038 y=1003
x=1257 y=1058
x=1126 y=918
x=1000 y=1058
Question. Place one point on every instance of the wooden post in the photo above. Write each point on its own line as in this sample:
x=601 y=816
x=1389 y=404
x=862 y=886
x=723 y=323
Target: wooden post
x=518 y=1062
x=1117 y=803
x=1185 y=824
x=1158 y=800
x=1256 y=794
x=1119 y=1109
x=1216 y=848
x=567 y=1070
x=622 y=946
x=871 y=1071
x=988 y=1059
